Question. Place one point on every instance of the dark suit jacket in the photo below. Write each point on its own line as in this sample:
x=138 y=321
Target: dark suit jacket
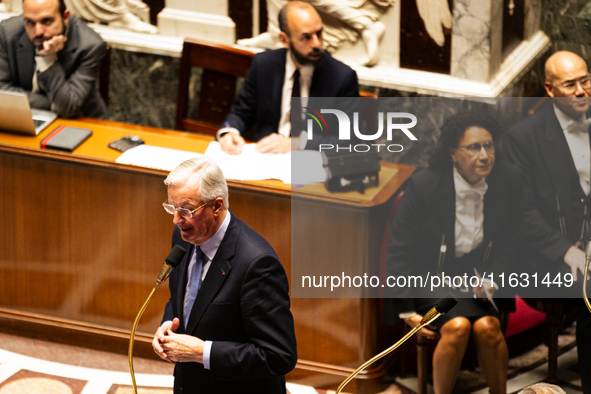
x=538 y=147
x=243 y=307
x=427 y=211
x=259 y=101
x=69 y=84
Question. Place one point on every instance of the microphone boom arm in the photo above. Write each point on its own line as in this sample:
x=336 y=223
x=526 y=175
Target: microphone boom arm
x=586 y=273
x=173 y=260
x=427 y=319
x=135 y=323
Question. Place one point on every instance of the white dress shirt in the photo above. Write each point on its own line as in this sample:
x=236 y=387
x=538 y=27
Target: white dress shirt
x=306 y=73
x=42 y=63
x=209 y=249
x=469 y=224
x=577 y=137
x=469 y=230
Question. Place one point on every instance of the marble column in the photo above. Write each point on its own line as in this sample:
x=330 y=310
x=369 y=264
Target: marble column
x=207 y=20
x=476 y=46
x=533 y=16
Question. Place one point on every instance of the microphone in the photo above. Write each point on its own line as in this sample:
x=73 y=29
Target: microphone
x=172 y=261
x=442 y=306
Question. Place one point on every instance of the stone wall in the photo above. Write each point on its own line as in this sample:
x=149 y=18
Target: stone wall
x=143 y=87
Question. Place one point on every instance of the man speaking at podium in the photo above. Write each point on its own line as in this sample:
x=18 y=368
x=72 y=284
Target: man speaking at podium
x=227 y=324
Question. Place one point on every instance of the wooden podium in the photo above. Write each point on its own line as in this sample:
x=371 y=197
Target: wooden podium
x=82 y=239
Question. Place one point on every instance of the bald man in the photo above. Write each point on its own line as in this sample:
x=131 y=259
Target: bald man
x=265 y=99
x=542 y=388
x=552 y=150
x=54 y=58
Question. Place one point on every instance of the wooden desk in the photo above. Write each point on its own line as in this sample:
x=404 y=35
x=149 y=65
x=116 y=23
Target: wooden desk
x=83 y=238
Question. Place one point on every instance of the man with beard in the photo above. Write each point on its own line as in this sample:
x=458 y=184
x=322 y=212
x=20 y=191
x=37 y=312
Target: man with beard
x=265 y=99
x=53 y=57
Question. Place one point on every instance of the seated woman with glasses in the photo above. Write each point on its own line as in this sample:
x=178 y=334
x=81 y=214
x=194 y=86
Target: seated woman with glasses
x=459 y=216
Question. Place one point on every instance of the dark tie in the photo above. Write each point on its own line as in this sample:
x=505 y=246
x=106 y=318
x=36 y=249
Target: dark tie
x=195 y=278
x=296 y=103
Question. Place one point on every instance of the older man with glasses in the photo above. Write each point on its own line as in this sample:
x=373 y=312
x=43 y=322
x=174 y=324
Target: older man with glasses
x=227 y=325
x=553 y=153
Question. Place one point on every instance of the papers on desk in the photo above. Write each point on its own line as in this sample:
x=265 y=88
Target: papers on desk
x=253 y=166
x=298 y=167
x=306 y=167
x=155 y=157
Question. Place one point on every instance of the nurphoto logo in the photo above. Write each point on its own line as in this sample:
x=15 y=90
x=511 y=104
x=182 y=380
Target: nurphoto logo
x=392 y=124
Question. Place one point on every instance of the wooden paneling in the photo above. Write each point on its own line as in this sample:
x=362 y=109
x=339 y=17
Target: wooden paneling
x=70 y=233
x=222 y=65
x=83 y=238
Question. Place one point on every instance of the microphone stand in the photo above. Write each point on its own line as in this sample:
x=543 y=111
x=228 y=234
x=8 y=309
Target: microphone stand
x=427 y=319
x=173 y=260
x=586 y=273
x=135 y=323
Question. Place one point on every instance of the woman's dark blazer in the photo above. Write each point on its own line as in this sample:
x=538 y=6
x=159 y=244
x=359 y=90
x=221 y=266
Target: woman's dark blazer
x=427 y=212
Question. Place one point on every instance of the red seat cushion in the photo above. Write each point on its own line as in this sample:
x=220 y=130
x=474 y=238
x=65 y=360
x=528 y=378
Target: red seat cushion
x=524 y=318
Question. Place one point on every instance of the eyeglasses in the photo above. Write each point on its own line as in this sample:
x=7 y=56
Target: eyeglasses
x=474 y=149
x=183 y=212
x=570 y=87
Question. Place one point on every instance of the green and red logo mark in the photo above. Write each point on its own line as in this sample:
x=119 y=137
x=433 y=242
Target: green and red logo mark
x=315 y=116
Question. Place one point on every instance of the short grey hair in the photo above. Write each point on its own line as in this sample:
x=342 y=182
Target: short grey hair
x=212 y=183
x=542 y=388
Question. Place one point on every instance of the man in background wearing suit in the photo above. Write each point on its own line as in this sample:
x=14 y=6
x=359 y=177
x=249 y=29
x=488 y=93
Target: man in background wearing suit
x=265 y=99
x=552 y=151
x=227 y=324
x=53 y=57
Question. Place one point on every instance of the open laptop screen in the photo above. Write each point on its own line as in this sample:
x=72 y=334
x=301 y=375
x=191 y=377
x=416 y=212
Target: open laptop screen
x=16 y=115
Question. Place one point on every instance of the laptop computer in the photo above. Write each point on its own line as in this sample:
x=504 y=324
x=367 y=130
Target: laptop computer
x=16 y=115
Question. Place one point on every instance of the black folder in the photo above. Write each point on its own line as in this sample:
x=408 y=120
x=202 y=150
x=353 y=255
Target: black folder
x=66 y=138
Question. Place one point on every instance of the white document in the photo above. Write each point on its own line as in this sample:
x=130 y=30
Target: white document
x=306 y=167
x=155 y=157
x=253 y=166
x=298 y=167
